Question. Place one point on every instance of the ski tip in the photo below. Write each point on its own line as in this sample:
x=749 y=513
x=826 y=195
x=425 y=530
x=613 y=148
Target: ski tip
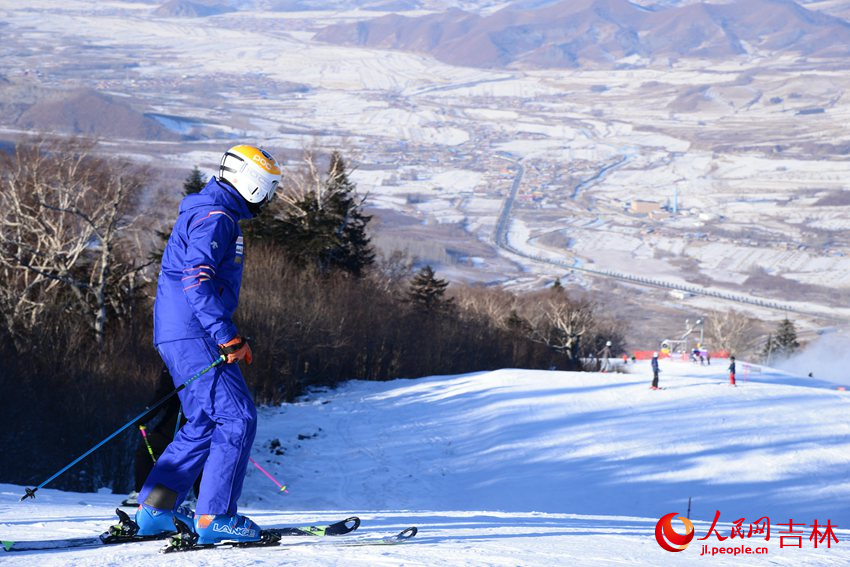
x=7 y=545
x=408 y=533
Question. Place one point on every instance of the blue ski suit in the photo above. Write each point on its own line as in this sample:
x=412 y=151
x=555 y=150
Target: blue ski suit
x=197 y=293
x=655 y=371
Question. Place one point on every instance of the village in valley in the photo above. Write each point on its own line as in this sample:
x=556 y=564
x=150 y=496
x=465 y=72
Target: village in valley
x=728 y=176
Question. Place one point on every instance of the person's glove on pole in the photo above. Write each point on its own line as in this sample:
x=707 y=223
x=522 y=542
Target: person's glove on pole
x=236 y=349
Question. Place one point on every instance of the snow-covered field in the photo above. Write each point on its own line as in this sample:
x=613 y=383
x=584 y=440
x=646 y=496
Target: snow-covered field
x=518 y=467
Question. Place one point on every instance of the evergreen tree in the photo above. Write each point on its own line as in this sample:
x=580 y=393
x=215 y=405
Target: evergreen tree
x=427 y=293
x=194 y=182
x=353 y=252
x=323 y=227
x=785 y=340
x=783 y=343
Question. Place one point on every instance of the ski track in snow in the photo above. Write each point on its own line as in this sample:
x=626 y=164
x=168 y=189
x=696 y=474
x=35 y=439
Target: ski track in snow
x=518 y=467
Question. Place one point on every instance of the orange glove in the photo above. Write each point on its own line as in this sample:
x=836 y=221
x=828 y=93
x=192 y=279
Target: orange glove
x=236 y=349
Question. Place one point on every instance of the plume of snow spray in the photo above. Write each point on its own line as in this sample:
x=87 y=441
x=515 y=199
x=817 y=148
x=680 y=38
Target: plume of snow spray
x=826 y=358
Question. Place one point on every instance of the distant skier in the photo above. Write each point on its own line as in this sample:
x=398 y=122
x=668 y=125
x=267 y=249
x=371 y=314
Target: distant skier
x=197 y=294
x=655 y=371
x=732 y=370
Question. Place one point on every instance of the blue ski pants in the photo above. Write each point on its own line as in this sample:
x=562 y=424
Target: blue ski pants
x=222 y=423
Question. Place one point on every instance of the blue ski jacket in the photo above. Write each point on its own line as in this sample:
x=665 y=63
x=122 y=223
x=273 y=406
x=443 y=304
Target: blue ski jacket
x=198 y=287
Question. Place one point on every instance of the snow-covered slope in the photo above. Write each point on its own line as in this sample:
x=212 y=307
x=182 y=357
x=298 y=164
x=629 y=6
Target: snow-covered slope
x=518 y=467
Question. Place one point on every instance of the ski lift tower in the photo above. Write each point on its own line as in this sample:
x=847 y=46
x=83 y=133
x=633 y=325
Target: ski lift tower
x=680 y=345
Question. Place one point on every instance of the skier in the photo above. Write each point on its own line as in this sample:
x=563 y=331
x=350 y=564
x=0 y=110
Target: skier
x=197 y=293
x=732 y=370
x=655 y=371
x=156 y=438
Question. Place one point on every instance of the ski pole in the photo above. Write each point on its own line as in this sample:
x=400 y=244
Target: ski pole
x=147 y=444
x=30 y=492
x=265 y=472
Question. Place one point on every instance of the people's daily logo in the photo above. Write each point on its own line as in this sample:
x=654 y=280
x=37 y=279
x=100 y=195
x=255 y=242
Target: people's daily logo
x=672 y=540
x=669 y=538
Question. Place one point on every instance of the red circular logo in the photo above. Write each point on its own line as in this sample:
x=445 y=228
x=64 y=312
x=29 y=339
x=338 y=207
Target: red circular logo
x=665 y=533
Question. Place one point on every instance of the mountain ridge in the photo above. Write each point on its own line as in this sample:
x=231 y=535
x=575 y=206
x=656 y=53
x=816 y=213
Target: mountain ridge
x=602 y=33
x=88 y=112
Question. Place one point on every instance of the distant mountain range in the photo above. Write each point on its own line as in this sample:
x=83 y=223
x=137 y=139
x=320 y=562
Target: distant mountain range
x=576 y=33
x=193 y=8
x=90 y=113
x=202 y=8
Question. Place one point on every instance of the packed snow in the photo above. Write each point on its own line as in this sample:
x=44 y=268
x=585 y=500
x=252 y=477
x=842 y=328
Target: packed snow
x=520 y=467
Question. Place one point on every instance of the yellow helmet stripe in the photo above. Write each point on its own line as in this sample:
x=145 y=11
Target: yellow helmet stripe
x=259 y=157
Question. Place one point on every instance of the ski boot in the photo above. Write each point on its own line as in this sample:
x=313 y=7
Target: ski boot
x=223 y=529
x=152 y=521
x=215 y=528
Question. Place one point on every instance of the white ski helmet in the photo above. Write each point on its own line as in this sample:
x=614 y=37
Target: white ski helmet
x=654 y=355
x=253 y=172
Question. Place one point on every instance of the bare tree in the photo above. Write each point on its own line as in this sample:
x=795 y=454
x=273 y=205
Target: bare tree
x=394 y=270
x=494 y=304
x=731 y=331
x=305 y=184
x=560 y=323
x=63 y=213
